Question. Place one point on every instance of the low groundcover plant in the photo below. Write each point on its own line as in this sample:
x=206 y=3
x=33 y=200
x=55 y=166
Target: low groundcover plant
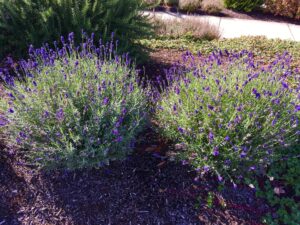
x=230 y=115
x=75 y=106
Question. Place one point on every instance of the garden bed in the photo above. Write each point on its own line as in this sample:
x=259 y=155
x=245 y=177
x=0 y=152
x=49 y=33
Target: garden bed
x=143 y=189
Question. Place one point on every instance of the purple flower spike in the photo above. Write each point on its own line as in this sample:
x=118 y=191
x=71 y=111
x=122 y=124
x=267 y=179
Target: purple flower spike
x=60 y=114
x=174 y=107
x=211 y=136
x=3 y=121
x=297 y=108
x=257 y=94
x=284 y=85
x=220 y=179
x=115 y=132
x=71 y=37
x=22 y=135
x=119 y=139
x=243 y=154
x=11 y=110
x=216 y=151
x=184 y=162
x=181 y=130
x=105 y=101
x=206 y=168
x=210 y=107
x=227 y=138
x=251 y=168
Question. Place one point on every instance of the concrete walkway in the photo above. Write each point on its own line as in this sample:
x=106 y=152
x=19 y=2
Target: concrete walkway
x=233 y=27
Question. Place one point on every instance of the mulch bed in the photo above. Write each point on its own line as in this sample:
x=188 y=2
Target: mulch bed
x=146 y=188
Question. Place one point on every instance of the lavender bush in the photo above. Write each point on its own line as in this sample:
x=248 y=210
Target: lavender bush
x=230 y=115
x=76 y=107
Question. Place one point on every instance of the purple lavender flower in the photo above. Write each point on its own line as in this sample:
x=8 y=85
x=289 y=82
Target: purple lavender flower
x=257 y=94
x=177 y=90
x=18 y=140
x=284 y=85
x=227 y=138
x=216 y=151
x=297 y=108
x=105 y=101
x=210 y=107
x=119 y=139
x=71 y=37
x=11 y=110
x=220 y=179
x=46 y=114
x=22 y=135
x=115 y=132
x=3 y=121
x=60 y=115
x=251 y=168
x=243 y=154
x=174 y=107
x=184 y=162
x=210 y=136
x=181 y=130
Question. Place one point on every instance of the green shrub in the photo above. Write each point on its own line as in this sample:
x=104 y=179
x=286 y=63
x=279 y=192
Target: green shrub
x=189 y=5
x=35 y=22
x=243 y=5
x=230 y=116
x=78 y=107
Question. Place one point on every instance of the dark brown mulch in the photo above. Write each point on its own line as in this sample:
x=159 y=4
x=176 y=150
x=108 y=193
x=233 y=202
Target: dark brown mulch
x=146 y=188
x=160 y=60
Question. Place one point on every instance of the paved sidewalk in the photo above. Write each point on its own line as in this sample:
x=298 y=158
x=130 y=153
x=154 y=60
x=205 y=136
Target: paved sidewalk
x=233 y=27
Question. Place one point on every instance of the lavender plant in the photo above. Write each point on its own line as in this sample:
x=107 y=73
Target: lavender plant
x=231 y=116
x=77 y=107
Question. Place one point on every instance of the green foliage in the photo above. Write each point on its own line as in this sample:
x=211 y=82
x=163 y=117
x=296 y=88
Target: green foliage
x=26 y=22
x=282 y=190
x=232 y=115
x=263 y=48
x=76 y=108
x=243 y=5
x=210 y=200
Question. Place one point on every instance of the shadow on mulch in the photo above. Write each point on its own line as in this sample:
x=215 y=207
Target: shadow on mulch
x=146 y=188
x=13 y=189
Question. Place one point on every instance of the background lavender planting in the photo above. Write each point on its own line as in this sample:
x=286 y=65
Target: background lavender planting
x=76 y=107
x=234 y=115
